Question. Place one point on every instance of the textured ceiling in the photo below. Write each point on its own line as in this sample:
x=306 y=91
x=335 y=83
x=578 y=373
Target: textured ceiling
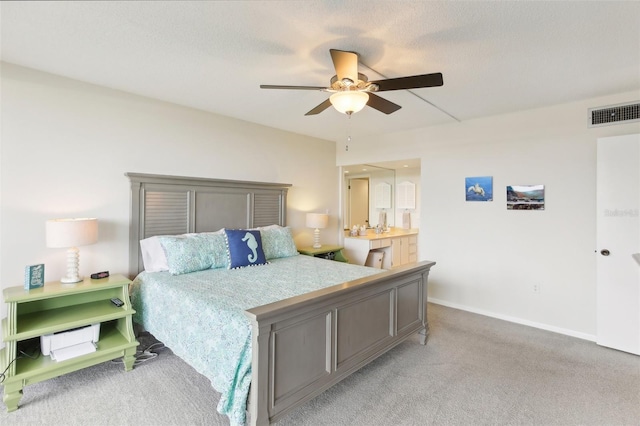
x=496 y=57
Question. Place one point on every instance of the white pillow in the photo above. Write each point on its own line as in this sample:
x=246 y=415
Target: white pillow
x=153 y=257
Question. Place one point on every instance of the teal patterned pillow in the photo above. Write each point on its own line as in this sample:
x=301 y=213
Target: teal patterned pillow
x=188 y=253
x=277 y=242
x=219 y=247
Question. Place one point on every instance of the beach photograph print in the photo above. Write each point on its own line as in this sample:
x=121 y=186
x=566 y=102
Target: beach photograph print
x=525 y=197
x=479 y=188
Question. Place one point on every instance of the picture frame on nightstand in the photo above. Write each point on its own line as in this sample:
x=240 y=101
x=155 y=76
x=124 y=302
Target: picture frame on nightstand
x=33 y=276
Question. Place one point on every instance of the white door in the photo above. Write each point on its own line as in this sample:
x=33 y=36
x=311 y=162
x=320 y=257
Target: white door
x=618 y=243
x=359 y=202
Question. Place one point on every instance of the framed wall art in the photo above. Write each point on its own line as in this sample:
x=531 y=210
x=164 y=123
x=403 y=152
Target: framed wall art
x=525 y=197
x=479 y=188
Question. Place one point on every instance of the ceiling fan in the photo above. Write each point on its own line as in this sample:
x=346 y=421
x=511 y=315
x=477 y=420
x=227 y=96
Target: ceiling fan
x=353 y=90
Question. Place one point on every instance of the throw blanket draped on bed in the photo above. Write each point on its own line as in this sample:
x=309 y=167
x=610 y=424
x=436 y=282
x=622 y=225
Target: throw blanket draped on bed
x=200 y=315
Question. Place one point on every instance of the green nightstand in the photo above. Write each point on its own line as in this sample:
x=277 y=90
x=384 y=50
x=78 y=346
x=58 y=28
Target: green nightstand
x=57 y=307
x=325 y=252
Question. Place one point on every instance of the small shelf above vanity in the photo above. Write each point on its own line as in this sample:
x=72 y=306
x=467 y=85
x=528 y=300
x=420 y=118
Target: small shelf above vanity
x=399 y=247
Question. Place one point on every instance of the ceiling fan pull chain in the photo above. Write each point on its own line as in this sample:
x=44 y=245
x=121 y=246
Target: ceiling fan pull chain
x=346 y=147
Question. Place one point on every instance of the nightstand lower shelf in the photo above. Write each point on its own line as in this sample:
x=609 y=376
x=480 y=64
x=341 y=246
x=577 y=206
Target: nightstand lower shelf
x=112 y=344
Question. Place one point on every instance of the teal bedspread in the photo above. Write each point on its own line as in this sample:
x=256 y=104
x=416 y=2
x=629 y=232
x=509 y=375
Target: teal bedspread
x=200 y=315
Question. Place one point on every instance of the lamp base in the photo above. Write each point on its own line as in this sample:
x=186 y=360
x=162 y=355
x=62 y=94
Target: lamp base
x=73 y=263
x=316 y=239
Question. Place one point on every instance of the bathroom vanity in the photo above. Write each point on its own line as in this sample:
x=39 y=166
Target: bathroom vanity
x=399 y=247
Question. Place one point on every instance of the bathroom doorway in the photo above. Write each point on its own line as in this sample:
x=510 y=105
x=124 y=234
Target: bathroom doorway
x=358 y=202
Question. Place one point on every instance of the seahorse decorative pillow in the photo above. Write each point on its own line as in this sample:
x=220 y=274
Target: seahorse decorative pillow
x=244 y=248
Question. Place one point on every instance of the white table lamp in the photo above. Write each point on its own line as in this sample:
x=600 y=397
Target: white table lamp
x=71 y=233
x=317 y=221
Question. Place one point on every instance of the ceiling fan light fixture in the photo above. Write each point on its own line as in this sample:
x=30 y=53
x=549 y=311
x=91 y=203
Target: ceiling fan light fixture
x=348 y=102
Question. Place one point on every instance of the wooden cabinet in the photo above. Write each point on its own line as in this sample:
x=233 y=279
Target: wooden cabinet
x=58 y=307
x=404 y=250
x=399 y=249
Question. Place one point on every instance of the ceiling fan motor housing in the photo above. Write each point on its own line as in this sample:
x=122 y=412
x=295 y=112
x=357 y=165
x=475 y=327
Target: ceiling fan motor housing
x=347 y=84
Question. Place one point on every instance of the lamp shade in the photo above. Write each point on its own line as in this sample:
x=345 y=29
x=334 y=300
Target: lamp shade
x=72 y=232
x=317 y=220
x=349 y=101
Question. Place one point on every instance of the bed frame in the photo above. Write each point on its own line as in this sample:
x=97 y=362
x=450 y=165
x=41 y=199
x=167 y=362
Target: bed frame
x=302 y=345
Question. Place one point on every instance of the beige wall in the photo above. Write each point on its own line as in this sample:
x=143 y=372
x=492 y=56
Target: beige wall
x=66 y=146
x=490 y=258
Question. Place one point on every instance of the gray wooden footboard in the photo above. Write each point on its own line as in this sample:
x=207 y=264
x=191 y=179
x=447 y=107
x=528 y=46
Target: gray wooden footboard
x=306 y=344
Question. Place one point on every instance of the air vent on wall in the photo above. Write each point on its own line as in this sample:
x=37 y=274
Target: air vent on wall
x=614 y=114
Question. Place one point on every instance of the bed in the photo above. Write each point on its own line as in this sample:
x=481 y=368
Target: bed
x=282 y=343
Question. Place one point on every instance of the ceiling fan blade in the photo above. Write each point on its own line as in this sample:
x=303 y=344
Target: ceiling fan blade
x=412 y=82
x=382 y=104
x=345 y=63
x=271 y=86
x=317 y=110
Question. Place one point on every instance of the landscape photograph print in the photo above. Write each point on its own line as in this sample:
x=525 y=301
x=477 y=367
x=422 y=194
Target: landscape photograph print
x=525 y=197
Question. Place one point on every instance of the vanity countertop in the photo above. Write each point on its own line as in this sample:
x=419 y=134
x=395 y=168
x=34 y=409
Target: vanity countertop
x=395 y=232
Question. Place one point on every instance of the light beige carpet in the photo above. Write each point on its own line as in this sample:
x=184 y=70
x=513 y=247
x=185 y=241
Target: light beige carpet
x=474 y=370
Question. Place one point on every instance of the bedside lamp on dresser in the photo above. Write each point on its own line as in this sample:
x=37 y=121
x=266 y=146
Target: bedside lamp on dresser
x=317 y=221
x=71 y=233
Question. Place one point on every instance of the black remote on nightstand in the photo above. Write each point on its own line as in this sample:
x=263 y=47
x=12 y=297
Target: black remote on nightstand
x=117 y=302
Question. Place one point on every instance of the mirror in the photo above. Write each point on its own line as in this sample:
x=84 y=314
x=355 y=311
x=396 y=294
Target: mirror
x=369 y=193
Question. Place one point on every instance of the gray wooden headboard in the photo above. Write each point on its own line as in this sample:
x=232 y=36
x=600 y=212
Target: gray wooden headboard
x=171 y=205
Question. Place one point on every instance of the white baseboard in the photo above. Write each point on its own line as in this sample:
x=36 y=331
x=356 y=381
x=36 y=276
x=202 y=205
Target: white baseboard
x=547 y=327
